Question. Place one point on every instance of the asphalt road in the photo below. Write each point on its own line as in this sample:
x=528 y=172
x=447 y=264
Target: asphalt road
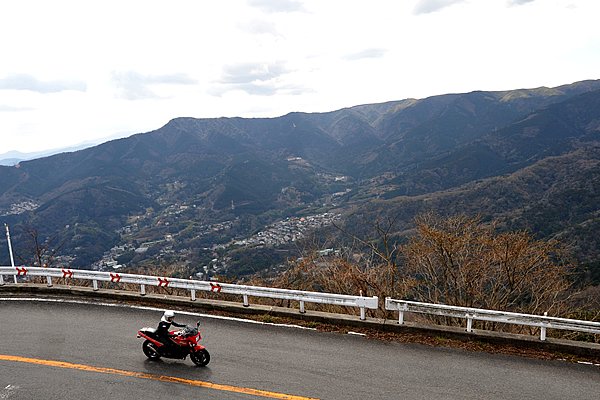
x=102 y=359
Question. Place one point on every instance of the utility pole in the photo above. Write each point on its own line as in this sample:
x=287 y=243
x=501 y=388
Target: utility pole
x=12 y=260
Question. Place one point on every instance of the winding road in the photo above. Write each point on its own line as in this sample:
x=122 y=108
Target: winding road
x=74 y=350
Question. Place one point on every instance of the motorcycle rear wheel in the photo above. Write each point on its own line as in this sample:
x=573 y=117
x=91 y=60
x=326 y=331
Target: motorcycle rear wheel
x=150 y=351
x=200 y=358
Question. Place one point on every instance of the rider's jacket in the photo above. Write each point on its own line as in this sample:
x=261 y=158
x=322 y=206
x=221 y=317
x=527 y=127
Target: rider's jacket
x=164 y=326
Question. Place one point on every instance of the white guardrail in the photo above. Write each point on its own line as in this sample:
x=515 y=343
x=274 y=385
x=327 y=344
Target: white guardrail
x=193 y=286
x=475 y=314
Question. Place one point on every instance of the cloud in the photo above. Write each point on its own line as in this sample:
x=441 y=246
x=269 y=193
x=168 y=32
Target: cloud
x=430 y=6
x=5 y=108
x=252 y=72
x=519 y=2
x=135 y=86
x=275 y=6
x=367 y=53
x=259 y=79
x=255 y=89
x=259 y=27
x=262 y=89
x=29 y=82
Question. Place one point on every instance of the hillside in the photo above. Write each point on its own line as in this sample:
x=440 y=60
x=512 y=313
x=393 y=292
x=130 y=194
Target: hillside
x=556 y=197
x=199 y=189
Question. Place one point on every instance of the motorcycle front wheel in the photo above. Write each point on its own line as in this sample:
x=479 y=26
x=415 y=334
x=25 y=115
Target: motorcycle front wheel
x=150 y=351
x=200 y=358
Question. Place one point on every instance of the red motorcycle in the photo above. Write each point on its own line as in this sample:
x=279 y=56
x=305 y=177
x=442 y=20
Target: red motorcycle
x=184 y=342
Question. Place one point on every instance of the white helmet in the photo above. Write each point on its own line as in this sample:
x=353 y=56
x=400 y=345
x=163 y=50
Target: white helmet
x=168 y=316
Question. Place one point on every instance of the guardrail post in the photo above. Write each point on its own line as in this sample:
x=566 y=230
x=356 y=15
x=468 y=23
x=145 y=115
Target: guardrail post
x=543 y=330
x=362 y=314
x=95 y=282
x=143 y=290
x=15 y=278
x=1 y=280
x=246 y=304
x=49 y=280
x=400 y=317
x=543 y=333
x=469 y=323
x=193 y=294
x=302 y=310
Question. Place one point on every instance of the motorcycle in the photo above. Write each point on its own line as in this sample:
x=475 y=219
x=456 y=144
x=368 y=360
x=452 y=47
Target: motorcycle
x=185 y=341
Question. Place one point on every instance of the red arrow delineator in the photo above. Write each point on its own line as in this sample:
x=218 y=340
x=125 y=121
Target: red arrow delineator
x=67 y=273
x=21 y=271
x=115 y=277
x=215 y=287
x=163 y=282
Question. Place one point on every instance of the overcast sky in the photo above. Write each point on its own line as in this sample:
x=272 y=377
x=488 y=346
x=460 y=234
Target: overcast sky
x=74 y=71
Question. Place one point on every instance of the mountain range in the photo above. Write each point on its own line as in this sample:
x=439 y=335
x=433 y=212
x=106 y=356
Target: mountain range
x=14 y=157
x=188 y=191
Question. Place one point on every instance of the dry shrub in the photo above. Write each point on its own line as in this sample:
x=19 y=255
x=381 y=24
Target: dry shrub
x=337 y=275
x=459 y=261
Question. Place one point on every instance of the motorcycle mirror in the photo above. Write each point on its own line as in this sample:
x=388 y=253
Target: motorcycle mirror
x=197 y=324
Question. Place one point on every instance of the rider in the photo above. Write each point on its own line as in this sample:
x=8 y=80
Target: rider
x=163 y=327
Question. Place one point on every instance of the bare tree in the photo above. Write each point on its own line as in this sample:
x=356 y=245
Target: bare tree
x=43 y=251
x=379 y=255
x=460 y=261
x=365 y=267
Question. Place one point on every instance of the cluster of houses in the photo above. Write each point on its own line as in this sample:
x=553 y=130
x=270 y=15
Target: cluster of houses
x=282 y=232
x=19 y=208
x=288 y=230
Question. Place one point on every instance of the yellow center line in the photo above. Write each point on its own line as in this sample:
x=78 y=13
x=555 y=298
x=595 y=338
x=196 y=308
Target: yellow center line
x=154 y=377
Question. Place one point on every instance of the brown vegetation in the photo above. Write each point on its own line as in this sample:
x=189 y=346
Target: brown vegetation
x=456 y=260
x=459 y=261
